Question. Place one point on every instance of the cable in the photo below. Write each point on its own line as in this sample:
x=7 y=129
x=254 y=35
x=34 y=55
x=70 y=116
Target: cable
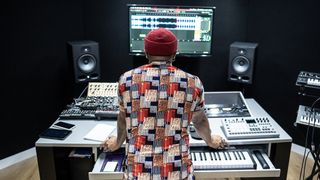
x=314 y=123
x=305 y=149
x=75 y=100
x=307 y=95
x=83 y=91
x=312 y=146
x=243 y=90
x=306 y=145
x=318 y=156
x=305 y=163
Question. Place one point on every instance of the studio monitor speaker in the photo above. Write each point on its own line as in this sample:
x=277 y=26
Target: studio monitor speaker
x=241 y=62
x=86 y=61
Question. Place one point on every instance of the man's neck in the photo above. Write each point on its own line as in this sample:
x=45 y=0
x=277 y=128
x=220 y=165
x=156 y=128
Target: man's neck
x=158 y=62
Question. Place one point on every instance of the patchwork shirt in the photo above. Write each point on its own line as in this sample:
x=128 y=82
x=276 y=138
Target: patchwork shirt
x=159 y=100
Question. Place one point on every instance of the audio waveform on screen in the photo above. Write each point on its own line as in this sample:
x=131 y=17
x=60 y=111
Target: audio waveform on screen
x=179 y=23
x=170 y=20
x=143 y=26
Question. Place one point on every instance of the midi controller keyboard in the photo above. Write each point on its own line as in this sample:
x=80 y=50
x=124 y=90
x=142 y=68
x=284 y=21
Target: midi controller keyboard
x=248 y=128
x=204 y=158
x=223 y=159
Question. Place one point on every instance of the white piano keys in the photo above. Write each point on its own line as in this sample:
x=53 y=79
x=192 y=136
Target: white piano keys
x=306 y=117
x=234 y=159
x=310 y=119
x=313 y=81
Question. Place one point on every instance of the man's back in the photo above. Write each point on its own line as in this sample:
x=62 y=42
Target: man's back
x=159 y=100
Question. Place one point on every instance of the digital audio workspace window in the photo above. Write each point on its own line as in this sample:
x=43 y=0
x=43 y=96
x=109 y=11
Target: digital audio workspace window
x=191 y=25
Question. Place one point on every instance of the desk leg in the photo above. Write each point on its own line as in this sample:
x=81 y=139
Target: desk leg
x=280 y=156
x=95 y=153
x=46 y=163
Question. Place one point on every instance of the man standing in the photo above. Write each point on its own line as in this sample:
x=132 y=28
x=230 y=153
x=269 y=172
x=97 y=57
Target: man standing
x=157 y=104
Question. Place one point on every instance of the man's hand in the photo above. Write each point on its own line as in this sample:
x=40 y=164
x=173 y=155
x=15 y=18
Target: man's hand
x=111 y=144
x=217 y=142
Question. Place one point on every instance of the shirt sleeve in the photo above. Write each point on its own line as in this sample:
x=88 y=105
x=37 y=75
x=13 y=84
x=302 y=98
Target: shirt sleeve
x=199 y=90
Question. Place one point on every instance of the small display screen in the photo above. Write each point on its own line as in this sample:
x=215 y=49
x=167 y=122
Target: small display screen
x=249 y=121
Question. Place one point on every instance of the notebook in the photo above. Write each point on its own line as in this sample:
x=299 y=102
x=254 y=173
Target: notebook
x=100 y=132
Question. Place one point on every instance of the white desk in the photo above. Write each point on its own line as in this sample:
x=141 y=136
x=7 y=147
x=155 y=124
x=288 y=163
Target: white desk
x=279 y=148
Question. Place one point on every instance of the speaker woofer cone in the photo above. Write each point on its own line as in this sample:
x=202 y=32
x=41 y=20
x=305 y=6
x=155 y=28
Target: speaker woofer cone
x=87 y=63
x=240 y=64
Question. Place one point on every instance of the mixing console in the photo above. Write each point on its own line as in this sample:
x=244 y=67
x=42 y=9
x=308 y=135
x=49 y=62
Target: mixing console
x=101 y=103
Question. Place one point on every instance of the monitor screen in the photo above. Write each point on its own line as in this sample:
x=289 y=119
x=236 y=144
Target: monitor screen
x=191 y=25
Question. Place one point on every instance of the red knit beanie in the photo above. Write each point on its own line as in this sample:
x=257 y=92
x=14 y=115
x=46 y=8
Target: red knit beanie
x=160 y=42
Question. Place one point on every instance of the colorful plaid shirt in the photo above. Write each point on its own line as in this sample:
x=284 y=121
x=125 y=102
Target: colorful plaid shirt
x=159 y=100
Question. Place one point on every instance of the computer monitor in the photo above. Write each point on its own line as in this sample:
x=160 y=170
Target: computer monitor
x=192 y=25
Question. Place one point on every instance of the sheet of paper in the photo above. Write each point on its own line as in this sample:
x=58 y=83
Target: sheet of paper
x=100 y=132
x=110 y=166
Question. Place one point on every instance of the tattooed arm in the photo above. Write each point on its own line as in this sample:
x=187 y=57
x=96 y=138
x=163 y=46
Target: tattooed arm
x=114 y=143
x=201 y=124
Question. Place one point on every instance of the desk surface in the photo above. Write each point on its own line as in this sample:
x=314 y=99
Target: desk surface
x=84 y=126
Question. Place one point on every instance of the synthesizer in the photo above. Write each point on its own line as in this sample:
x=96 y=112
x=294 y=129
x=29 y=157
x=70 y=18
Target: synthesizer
x=247 y=128
x=306 y=117
x=308 y=79
x=92 y=108
x=96 y=102
x=100 y=103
